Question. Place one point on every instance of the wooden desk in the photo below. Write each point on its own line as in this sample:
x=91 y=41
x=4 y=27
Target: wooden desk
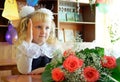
x=22 y=78
x=8 y=64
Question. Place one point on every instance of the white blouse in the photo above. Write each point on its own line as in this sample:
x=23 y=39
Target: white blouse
x=27 y=51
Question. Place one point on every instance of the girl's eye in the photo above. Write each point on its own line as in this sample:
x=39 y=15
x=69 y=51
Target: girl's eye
x=38 y=27
x=47 y=27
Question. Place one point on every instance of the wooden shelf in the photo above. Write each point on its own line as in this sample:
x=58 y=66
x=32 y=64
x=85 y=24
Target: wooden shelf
x=55 y=13
x=3 y=25
x=1 y=8
x=79 y=1
x=79 y=22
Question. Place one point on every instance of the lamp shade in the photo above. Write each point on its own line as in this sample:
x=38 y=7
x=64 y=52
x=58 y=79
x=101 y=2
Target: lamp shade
x=10 y=10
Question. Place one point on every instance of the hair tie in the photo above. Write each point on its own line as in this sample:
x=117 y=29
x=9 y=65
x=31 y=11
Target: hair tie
x=26 y=10
x=46 y=11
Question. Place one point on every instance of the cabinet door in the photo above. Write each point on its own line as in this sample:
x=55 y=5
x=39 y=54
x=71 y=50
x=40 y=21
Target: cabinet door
x=78 y=17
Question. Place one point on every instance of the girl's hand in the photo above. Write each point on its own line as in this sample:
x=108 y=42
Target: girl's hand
x=29 y=32
x=37 y=71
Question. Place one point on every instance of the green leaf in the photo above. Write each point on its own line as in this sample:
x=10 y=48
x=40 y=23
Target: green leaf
x=97 y=50
x=46 y=75
x=116 y=71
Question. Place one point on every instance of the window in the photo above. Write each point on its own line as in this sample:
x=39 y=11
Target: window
x=113 y=20
x=108 y=28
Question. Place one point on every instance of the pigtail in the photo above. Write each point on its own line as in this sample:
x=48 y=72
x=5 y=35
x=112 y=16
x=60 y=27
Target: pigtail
x=22 y=28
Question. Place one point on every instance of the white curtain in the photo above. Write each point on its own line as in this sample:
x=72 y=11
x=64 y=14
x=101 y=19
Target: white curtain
x=112 y=25
x=103 y=33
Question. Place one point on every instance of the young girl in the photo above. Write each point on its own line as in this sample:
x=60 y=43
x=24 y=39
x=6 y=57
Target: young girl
x=36 y=41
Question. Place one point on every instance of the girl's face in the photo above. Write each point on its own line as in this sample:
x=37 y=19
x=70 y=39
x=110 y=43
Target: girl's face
x=41 y=31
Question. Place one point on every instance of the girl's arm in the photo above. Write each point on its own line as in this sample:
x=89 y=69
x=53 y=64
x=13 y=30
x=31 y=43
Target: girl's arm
x=25 y=52
x=24 y=56
x=24 y=63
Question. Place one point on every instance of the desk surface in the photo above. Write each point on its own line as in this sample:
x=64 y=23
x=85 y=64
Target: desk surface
x=22 y=78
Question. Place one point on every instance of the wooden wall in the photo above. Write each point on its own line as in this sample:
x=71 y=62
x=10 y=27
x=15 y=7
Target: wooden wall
x=7 y=51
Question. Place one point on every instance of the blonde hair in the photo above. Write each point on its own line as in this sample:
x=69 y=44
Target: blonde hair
x=43 y=15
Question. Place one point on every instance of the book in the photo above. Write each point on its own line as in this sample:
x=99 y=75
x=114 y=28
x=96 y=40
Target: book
x=69 y=35
x=70 y=16
x=62 y=16
x=61 y=35
x=78 y=17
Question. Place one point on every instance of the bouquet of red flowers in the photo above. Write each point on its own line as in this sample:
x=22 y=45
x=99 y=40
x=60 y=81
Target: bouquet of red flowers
x=88 y=65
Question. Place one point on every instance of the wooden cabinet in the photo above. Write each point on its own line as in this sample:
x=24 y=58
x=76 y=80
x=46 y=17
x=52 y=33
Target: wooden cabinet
x=85 y=25
x=3 y=23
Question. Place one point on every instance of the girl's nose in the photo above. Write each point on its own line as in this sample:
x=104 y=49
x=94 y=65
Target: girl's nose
x=43 y=30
